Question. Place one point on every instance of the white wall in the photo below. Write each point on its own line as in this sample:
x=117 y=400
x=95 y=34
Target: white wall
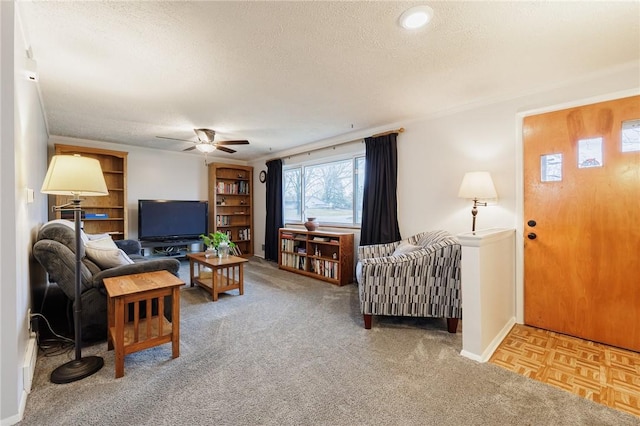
x=23 y=163
x=433 y=156
x=259 y=207
x=435 y=152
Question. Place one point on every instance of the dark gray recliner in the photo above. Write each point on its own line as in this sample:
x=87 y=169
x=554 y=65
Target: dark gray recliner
x=55 y=251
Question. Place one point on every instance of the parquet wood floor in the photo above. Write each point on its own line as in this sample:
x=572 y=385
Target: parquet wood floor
x=603 y=374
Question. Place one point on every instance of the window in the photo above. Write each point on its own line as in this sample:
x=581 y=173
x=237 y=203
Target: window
x=551 y=168
x=331 y=192
x=631 y=136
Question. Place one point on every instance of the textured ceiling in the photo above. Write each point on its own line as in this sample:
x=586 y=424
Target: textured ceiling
x=283 y=74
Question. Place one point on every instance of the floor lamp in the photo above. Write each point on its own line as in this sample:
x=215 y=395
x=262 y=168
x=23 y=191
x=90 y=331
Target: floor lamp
x=477 y=186
x=75 y=176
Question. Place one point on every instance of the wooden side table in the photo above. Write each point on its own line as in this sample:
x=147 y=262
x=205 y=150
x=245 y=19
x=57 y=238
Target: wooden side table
x=226 y=273
x=131 y=334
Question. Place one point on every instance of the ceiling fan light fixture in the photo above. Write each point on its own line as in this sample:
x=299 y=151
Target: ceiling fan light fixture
x=416 y=17
x=205 y=147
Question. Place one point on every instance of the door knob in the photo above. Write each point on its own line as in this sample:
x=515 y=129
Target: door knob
x=531 y=236
x=531 y=223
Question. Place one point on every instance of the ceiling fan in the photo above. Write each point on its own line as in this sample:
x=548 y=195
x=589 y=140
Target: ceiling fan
x=206 y=144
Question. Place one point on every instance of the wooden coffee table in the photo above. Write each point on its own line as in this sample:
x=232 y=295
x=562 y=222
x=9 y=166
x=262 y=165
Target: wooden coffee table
x=128 y=335
x=226 y=273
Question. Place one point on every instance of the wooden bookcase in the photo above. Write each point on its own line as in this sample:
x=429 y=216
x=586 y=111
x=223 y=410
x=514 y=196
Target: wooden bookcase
x=323 y=255
x=114 y=205
x=230 y=203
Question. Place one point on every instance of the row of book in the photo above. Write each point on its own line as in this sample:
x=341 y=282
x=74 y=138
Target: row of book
x=223 y=220
x=325 y=268
x=294 y=261
x=244 y=234
x=289 y=245
x=240 y=187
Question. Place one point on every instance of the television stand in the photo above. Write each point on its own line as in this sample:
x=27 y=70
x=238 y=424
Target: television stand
x=176 y=249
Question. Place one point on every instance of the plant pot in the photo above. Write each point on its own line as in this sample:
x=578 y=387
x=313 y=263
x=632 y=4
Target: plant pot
x=311 y=224
x=223 y=250
x=210 y=252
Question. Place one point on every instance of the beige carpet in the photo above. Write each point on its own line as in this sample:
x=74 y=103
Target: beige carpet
x=293 y=351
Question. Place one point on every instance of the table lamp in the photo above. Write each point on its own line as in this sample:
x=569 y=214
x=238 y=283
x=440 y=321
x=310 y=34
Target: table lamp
x=75 y=176
x=476 y=186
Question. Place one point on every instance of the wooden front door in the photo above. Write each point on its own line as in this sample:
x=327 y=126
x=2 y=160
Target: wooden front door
x=582 y=222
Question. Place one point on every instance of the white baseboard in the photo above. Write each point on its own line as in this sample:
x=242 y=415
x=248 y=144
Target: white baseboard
x=18 y=417
x=486 y=355
x=471 y=356
x=28 y=370
x=493 y=345
x=29 y=367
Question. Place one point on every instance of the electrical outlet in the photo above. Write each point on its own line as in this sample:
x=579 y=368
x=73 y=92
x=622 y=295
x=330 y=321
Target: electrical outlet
x=29 y=320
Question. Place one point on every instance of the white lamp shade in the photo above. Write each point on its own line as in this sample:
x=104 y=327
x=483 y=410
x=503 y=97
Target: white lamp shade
x=74 y=175
x=477 y=185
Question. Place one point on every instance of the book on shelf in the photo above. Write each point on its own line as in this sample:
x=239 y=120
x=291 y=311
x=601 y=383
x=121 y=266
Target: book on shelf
x=293 y=261
x=96 y=215
x=325 y=268
x=222 y=220
x=68 y=214
x=244 y=234
x=240 y=187
x=323 y=239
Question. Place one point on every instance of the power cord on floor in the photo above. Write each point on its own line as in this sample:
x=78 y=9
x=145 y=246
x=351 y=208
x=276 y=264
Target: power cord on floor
x=54 y=346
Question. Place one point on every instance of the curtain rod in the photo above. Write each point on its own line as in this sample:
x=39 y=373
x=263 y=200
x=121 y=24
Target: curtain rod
x=400 y=130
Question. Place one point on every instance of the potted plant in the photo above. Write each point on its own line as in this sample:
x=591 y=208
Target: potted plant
x=218 y=241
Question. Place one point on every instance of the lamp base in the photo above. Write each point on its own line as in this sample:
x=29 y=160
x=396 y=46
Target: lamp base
x=77 y=369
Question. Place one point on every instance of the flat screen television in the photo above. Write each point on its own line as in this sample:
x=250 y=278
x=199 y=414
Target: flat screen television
x=172 y=220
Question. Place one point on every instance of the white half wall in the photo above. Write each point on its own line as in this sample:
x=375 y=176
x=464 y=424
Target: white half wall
x=488 y=290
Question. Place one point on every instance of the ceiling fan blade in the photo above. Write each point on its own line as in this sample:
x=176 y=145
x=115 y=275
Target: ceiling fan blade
x=190 y=148
x=205 y=135
x=225 y=149
x=239 y=142
x=175 y=139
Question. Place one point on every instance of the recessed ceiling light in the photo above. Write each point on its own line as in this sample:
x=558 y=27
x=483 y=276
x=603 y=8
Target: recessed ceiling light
x=416 y=17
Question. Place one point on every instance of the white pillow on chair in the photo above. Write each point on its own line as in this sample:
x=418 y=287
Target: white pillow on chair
x=404 y=248
x=105 y=253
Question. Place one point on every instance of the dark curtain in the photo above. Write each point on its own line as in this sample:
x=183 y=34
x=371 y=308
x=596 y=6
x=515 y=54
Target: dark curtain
x=380 y=201
x=274 y=209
